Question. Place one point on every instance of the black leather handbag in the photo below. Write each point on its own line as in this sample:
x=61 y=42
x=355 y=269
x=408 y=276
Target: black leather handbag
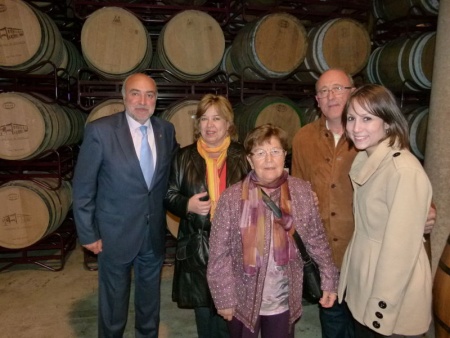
x=311 y=274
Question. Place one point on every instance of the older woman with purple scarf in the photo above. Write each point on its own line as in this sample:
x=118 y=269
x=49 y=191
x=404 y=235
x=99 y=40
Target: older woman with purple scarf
x=255 y=271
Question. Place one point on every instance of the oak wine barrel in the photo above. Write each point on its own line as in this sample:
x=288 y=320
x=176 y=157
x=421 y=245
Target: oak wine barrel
x=72 y=59
x=309 y=110
x=388 y=10
x=190 y=46
x=30 y=211
x=258 y=110
x=418 y=125
x=405 y=63
x=338 y=43
x=115 y=43
x=27 y=38
x=106 y=108
x=182 y=115
x=30 y=126
x=441 y=295
x=274 y=46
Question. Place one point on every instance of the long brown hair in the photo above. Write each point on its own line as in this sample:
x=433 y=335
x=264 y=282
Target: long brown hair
x=379 y=101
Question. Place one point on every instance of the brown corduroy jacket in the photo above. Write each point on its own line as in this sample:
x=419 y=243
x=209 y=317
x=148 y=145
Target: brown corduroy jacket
x=316 y=159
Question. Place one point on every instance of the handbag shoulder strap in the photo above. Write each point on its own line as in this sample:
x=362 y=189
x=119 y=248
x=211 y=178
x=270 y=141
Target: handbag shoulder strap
x=277 y=212
x=305 y=256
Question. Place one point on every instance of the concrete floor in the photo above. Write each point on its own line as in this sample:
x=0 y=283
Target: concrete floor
x=38 y=303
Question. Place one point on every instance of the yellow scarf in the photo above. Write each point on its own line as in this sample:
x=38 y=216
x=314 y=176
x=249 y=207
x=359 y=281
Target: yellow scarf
x=212 y=168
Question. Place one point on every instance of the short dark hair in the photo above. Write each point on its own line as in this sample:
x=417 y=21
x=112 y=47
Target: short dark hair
x=264 y=133
x=379 y=101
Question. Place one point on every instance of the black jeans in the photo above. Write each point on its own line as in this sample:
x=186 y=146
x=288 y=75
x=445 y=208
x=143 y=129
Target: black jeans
x=336 y=321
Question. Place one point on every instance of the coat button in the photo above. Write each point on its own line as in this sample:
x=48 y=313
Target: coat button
x=379 y=315
x=376 y=325
x=382 y=304
x=396 y=154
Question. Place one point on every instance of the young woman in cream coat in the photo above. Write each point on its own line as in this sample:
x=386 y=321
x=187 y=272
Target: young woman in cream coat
x=385 y=277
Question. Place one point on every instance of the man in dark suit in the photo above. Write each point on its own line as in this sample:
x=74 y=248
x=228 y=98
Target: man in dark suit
x=119 y=215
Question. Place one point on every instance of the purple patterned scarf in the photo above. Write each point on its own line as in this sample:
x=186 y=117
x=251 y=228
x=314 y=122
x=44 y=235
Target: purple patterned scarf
x=252 y=224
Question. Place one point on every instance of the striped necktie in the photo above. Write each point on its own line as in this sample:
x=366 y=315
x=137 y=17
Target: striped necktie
x=146 y=159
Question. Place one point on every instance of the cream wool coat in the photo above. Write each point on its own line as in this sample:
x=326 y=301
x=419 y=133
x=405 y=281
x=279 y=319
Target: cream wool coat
x=386 y=273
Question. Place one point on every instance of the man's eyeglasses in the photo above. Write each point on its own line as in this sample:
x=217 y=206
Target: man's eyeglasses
x=336 y=90
x=261 y=153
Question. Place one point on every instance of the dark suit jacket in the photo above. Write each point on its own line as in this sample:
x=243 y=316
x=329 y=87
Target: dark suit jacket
x=111 y=199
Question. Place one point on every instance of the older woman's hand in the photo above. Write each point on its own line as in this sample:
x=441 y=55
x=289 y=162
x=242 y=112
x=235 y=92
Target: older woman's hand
x=198 y=205
x=328 y=299
x=227 y=314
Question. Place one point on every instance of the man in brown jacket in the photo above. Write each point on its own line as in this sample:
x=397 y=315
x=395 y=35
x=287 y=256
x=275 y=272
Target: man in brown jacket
x=323 y=157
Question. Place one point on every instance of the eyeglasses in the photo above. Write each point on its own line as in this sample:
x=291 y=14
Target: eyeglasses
x=336 y=90
x=261 y=153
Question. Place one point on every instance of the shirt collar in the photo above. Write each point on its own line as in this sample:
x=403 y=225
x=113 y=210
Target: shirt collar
x=134 y=125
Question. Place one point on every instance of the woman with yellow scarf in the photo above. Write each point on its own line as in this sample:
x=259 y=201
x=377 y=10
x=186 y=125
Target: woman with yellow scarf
x=200 y=173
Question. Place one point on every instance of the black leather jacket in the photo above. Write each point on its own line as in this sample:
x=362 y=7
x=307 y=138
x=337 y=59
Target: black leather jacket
x=188 y=177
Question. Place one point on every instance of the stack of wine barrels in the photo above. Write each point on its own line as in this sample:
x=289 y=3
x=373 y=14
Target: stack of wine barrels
x=29 y=126
x=30 y=41
x=405 y=63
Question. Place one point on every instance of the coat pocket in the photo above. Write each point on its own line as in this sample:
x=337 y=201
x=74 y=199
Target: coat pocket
x=193 y=251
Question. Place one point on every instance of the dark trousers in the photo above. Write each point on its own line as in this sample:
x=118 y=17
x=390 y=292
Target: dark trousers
x=336 y=321
x=270 y=327
x=114 y=295
x=210 y=324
